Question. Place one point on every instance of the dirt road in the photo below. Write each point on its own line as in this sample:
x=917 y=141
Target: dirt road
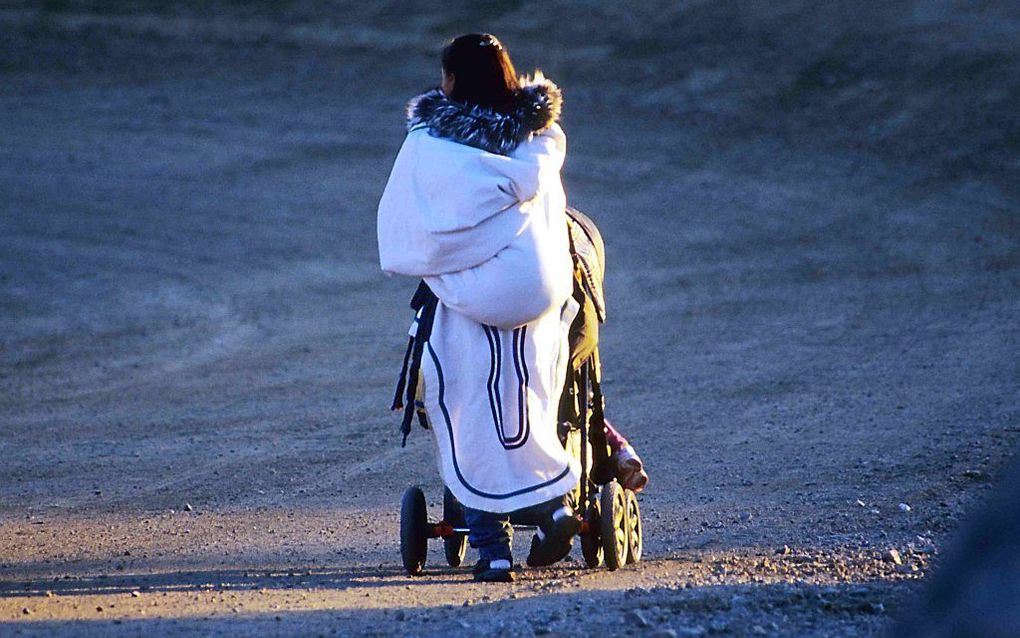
x=813 y=238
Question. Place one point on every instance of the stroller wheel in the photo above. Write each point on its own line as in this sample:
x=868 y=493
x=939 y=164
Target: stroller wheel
x=633 y=528
x=613 y=524
x=414 y=535
x=591 y=541
x=453 y=513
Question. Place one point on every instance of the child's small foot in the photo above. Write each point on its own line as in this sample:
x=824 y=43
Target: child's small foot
x=629 y=470
x=553 y=541
x=493 y=571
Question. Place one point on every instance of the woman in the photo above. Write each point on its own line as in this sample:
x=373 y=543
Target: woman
x=474 y=205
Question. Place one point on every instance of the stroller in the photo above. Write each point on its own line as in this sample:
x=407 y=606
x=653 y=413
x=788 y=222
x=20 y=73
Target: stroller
x=610 y=530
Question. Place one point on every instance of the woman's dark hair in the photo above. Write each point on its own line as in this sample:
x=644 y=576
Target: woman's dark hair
x=483 y=72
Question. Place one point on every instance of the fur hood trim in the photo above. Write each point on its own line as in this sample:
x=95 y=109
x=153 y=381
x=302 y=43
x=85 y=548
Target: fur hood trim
x=538 y=106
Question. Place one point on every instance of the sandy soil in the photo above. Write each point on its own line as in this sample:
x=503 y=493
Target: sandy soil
x=814 y=285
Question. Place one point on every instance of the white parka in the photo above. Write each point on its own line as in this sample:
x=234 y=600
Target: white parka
x=475 y=206
x=487 y=231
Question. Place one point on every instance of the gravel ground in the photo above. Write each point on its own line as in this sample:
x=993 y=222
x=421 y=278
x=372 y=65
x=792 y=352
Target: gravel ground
x=813 y=238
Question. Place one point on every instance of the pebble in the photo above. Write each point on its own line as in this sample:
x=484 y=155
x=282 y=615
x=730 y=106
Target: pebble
x=758 y=630
x=135 y=594
x=976 y=475
x=904 y=508
x=784 y=550
x=893 y=556
x=188 y=507
x=635 y=618
x=873 y=608
x=26 y=610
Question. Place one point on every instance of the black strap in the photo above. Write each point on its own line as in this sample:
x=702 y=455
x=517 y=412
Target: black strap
x=422 y=295
x=602 y=471
x=424 y=303
x=398 y=396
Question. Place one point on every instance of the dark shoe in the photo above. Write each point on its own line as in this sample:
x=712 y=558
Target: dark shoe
x=493 y=571
x=553 y=541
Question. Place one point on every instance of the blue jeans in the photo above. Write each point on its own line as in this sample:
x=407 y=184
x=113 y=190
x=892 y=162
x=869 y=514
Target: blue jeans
x=490 y=533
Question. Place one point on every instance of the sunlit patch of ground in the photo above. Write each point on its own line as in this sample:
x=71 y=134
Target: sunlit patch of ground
x=322 y=570
x=720 y=592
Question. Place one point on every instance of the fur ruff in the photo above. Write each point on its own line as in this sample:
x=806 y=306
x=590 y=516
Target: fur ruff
x=538 y=106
